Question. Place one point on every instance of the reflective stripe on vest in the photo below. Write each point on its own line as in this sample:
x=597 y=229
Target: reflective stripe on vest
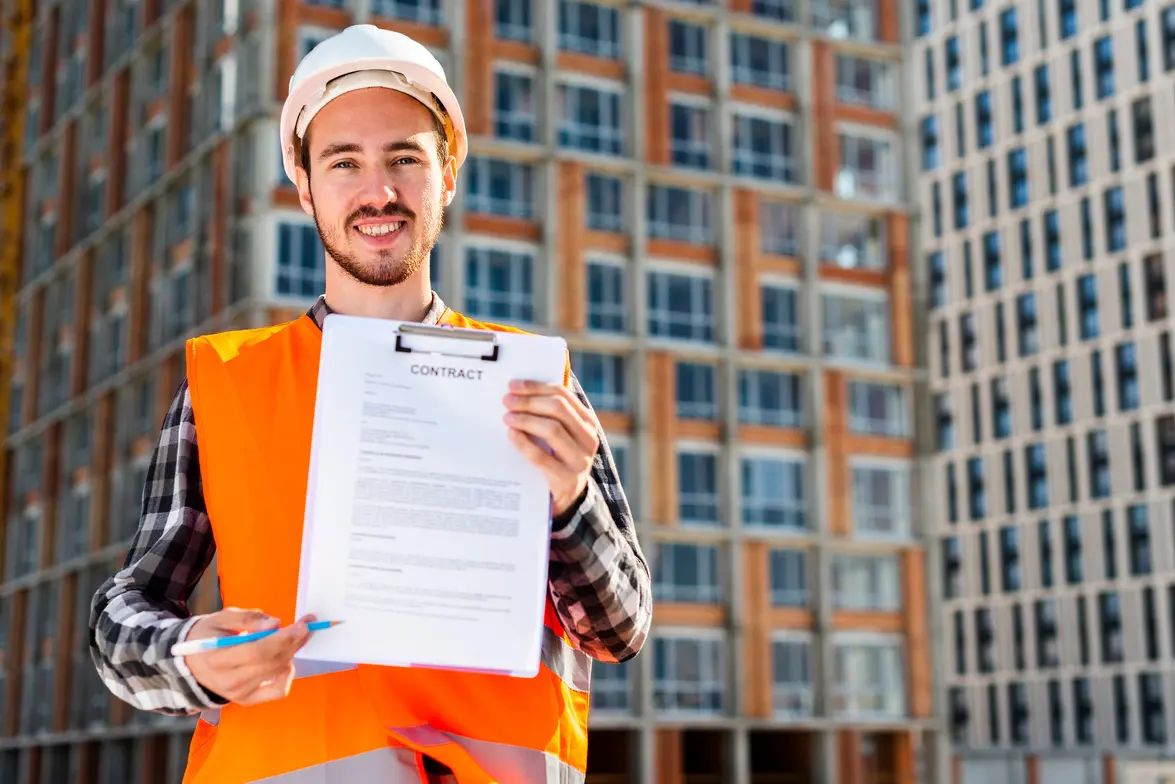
x=503 y=762
x=385 y=766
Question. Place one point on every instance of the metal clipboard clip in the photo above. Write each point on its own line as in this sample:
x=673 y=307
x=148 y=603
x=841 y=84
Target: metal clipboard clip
x=450 y=333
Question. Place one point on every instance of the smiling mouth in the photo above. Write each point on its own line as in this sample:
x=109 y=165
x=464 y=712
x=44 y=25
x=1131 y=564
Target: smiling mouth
x=379 y=229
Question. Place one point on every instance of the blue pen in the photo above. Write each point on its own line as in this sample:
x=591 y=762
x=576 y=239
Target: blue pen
x=215 y=643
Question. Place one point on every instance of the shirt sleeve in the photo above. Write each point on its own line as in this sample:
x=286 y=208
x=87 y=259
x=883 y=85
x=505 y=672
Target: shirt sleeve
x=599 y=579
x=142 y=610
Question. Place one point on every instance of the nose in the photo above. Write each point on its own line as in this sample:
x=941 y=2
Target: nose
x=378 y=192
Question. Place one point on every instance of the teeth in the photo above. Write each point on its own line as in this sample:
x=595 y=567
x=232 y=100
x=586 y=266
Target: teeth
x=381 y=229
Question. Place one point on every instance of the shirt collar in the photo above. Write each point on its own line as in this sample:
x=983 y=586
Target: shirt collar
x=320 y=310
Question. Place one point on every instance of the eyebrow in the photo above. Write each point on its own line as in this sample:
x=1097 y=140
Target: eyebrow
x=339 y=148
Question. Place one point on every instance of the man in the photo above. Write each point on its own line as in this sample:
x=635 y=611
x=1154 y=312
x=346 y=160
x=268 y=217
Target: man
x=373 y=137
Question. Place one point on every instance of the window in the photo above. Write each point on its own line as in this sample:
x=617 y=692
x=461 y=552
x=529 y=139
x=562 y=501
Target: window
x=1047 y=648
x=1144 y=130
x=1125 y=296
x=1099 y=464
x=1036 y=399
x=1109 y=544
x=1018 y=712
x=1009 y=559
x=1050 y=149
x=689 y=135
x=866 y=583
x=689 y=673
x=1150 y=698
x=1110 y=621
x=1165 y=444
x=779 y=10
x=1056 y=714
x=1026 y=323
x=945 y=419
x=1140 y=539
x=983 y=123
x=962 y=206
x=1017 y=178
x=869 y=164
x=1168 y=38
x=867 y=676
x=1115 y=140
x=952 y=559
x=603 y=379
x=1052 y=240
x=1017 y=104
x=1001 y=408
x=1062 y=392
x=426 y=12
x=1087 y=306
x=688 y=47
x=605 y=204
x=589 y=28
x=1103 y=59
x=606 y=307
x=1141 y=48
x=789 y=582
x=865 y=82
x=930 y=151
x=1044 y=102
x=773 y=492
x=1009 y=37
x=1074 y=570
x=791 y=673
x=1154 y=207
x=695 y=391
x=514 y=20
x=936 y=209
x=590 y=119
x=992 y=189
x=992 y=263
x=763 y=148
x=687 y=573
x=925 y=22
x=1115 y=207
x=952 y=494
x=611 y=689
x=856 y=19
x=1096 y=375
x=878 y=409
x=780 y=317
x=1127 y=377
x=769 y=398
x=856 y=326
x=1083 y=710
x=1137 y=457
x=678 y=213
x=1077 y=81
x=1062 y=312
x=1035 y=464
x=499 y=284
x=697 y=483
x=984 y=640
x=984 y=59
x=1086 y=229
x=930 y=77
x=1078 y=168
x=778 y=228
x=938 y=279
x=301 y=260
x=514 y=115
x=954 y=64
x=976 y=490
x=501 y=187
x=763 y=62
x=853 y=241
x=1156 y=287
x=1166 y=368
x=681 y=306
x=881 y=499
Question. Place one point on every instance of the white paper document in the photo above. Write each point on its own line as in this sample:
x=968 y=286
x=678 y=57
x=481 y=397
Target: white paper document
x=427 y=531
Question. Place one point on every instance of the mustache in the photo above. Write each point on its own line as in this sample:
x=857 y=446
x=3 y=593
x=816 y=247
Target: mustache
x=388 y=211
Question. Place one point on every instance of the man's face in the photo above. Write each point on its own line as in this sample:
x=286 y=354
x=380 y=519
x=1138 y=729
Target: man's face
x=376 y=187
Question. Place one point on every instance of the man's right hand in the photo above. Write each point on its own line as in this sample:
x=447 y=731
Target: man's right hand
x=252 y=672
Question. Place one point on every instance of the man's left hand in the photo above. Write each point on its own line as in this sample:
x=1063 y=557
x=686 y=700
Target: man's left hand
x=553 y=414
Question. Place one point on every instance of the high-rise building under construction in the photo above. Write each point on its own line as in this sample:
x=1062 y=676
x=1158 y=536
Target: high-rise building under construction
x=710 y=200
x=1047 y=196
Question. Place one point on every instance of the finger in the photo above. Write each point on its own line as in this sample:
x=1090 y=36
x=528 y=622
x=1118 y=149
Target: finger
x=567 y=450
x=234 y=620
x=273 y=688
x=559 y=407
x=554 y=469
x=267 y=649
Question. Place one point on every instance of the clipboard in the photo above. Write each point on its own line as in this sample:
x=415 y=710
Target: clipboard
x=375 y=365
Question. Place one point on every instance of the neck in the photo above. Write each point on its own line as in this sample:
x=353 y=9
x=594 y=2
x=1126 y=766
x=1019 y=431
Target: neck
x=406 y=301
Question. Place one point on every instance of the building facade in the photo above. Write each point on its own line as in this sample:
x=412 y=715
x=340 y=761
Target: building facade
x=1048 y=201
x=711 y=201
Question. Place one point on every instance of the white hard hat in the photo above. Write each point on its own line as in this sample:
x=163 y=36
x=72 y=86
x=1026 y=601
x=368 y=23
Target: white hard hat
x=367 y=56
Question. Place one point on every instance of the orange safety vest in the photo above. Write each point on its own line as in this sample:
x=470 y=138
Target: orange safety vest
x=253 y=394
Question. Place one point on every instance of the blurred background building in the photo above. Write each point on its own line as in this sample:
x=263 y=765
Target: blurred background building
x=1048 y=196
x=712 y=201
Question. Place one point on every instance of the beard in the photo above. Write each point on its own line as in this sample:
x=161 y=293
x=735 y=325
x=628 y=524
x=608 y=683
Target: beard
x=388 y=268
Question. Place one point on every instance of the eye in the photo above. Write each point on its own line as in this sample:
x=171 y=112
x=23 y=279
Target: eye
x=340 y=164
x=405 y=160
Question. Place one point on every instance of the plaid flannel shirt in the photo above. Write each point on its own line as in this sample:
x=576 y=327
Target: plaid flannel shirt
x=599 y=580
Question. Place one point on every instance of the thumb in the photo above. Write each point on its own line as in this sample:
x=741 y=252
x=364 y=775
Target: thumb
x=237 y=620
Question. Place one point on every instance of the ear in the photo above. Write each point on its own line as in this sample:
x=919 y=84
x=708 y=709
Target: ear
x=304 y=197
x=448 y=181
